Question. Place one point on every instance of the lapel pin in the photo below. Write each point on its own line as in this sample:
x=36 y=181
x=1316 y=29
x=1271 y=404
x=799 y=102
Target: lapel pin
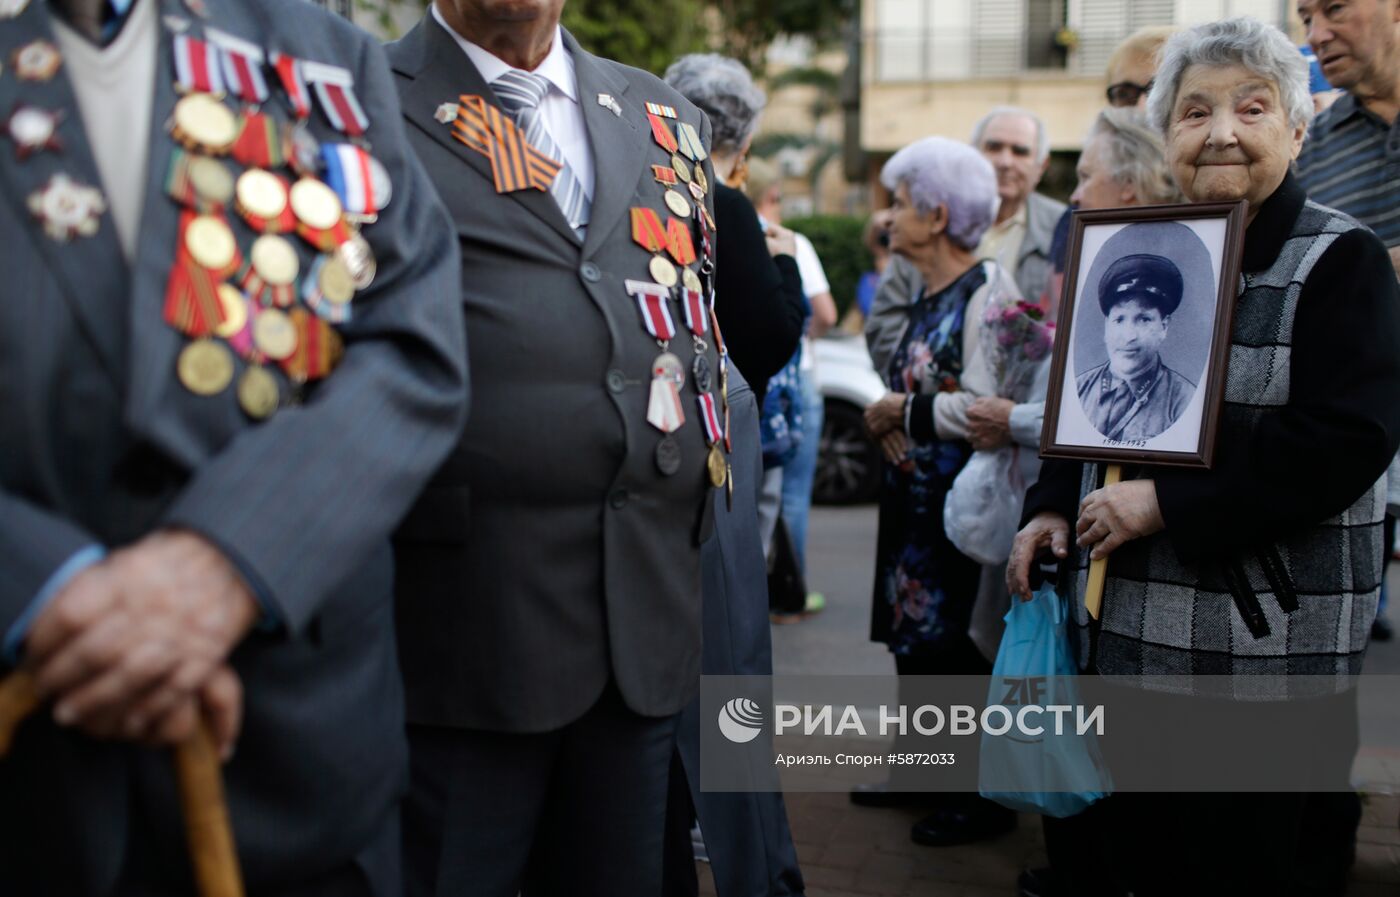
x=37 y=61
x=446 y=113
x=606 y=101
x=67 y=209
x=177 y=24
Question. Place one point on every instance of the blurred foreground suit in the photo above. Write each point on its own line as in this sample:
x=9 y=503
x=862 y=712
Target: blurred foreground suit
x=101 y=445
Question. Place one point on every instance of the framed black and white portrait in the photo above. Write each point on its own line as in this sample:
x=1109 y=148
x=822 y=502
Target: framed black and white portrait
x=1143 y=339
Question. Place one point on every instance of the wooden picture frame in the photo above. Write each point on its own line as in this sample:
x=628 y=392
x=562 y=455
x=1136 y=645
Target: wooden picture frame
x=1144 y=384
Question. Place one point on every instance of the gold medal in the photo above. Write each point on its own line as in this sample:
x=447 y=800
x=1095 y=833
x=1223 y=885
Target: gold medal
x=681 y=169
x=210 y=243
x=202 y=122
x=205 y=367
x=261 y=194
x=275 y=260
x=700 y=180
x=258 y=395
x=663 y=272
x=717 y=466
x=335 y=282
x=235 y=312
x=315 y=204
x=677 y=204
x=274 y=334
x=358 y=258
x=211 y=181
x=691 y=280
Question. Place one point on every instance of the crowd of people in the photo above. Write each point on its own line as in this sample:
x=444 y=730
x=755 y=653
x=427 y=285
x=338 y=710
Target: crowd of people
x=416 y=425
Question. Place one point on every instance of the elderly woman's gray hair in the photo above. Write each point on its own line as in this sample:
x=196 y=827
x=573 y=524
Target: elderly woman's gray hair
x=1135 y=155
x=941 y=172
x=1243 y=41
x=723 y=88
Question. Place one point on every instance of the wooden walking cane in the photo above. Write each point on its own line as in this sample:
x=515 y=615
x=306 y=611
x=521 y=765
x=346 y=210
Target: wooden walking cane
x=1098 y=570
x=197 y=769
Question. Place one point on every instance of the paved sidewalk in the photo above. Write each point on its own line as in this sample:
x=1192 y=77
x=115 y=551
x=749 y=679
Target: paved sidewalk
x=849 y=851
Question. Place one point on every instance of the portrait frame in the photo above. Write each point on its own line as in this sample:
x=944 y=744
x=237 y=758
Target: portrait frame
x=1173 y=420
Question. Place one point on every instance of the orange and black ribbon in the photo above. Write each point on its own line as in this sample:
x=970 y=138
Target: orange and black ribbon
x=192 y=303
x=647 y=230
x=515 y=163
x=319 y=348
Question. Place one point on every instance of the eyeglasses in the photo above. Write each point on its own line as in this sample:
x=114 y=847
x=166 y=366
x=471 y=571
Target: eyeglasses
x=1126 y=93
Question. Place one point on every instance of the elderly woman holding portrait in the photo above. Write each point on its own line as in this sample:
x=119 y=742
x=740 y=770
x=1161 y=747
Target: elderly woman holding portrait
x=945 y=198
x=1285 y=527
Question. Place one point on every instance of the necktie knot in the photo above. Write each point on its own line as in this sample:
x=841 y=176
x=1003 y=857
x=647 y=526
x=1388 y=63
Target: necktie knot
x=520 y=91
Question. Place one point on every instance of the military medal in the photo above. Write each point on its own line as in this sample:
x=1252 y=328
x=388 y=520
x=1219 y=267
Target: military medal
x=677 y=204
x=321 y=222
x=358 y=258
x=211 y=244
x=205 y=367
x=67 y=209
x=359 y=179
x=689 y=140
x=661 y=133
x=700 y=181
x=327 y=289
x=701 y=374
x=668 y=455
x=270 y=275
x=318 y=348
x=34 y=130
x=714 y=433
x=289 y=74
x=664 y=174
x=263 y=201
x=648 y=233
x=682 y=170
x=663 y=111
x=258 y=394
x=204 y=256
x=202 y=123
x=235 y=329
x=680 y=243
x=36 y=61
x=199 y=66
x=243 y=70
x=302 y=150
x=198 y=182
x=664 y=404
x=274 y=334
x=260 y=143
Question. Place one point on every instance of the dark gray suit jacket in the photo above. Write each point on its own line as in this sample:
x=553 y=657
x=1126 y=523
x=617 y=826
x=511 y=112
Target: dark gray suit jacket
x=549 y=554
x=99 y=443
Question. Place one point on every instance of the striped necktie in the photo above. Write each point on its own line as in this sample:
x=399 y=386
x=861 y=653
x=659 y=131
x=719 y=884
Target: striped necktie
x=520 y=94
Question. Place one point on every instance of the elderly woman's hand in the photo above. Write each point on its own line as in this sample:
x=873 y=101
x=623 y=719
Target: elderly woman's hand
x=895 y=446
x=780 y=241
x=1116 y=514
x=1046 y=530
x=989 y=423
x=885 y=414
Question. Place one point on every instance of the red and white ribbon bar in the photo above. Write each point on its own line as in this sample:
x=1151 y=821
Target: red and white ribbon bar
x=335 y=87
x=289 y=72
x=710 y=418
x=697 y=318
x=198 y=66
x=663 y=111
x=656 y=311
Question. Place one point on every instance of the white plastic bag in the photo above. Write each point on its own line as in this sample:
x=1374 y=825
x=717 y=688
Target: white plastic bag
x=983 y=509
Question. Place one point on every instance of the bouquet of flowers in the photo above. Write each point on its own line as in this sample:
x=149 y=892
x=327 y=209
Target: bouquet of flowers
x=983 y=506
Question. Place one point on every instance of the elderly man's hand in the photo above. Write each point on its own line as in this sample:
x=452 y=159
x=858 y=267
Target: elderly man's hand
x=989 y=423
x=1116 y=514
x=132 y=644
x=885 y=414
x=1045 y=531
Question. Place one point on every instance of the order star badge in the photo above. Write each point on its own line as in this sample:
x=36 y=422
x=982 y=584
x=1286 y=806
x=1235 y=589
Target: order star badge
x=34 y=130
x=67 y=208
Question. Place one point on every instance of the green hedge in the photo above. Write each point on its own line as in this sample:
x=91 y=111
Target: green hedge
x=840 y=244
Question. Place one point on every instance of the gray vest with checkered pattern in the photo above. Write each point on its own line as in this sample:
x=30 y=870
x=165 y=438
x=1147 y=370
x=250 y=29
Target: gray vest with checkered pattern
x=1163 y=618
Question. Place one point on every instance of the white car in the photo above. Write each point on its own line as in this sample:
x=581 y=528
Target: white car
x=848 y=465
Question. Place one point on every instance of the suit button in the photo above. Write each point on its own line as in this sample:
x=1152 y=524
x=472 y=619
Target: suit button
x=617 y=382
x=618 y=499
x=590 y=272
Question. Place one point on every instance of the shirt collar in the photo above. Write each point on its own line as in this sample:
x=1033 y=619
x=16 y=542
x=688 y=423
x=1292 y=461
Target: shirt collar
x=1018 y=220
x=1139 y=385
x=557 y=68
x=1265 y=236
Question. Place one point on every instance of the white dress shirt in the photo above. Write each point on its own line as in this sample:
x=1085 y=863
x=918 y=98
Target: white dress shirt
x=562 y=112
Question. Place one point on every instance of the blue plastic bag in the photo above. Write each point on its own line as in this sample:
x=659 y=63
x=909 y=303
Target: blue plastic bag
x=1054 y=774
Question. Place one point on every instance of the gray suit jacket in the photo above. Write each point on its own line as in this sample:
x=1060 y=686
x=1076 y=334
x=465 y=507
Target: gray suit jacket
x=100 y=444
x=549 y=555
x=901 y=284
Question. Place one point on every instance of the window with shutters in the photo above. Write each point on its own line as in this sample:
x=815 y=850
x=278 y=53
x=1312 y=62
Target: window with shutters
x=1044 y=19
